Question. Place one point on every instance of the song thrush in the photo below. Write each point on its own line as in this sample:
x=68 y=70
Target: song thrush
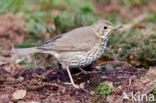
x=77 y=48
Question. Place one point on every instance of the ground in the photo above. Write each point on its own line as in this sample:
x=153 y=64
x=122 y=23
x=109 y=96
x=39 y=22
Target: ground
x=48 y=84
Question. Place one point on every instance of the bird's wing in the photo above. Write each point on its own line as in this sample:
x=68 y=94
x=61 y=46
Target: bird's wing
x=80 y=39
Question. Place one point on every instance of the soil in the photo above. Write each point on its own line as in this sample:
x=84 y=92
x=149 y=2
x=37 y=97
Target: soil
x=48 y=84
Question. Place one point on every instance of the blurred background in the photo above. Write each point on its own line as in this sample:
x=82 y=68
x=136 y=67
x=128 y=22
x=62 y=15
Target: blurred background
x=27 y=23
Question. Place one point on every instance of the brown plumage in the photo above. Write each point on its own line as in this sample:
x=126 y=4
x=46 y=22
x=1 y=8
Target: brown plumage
x=81 y=39
x=77 y=48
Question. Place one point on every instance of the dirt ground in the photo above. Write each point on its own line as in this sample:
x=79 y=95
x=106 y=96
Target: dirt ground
x=48 y=84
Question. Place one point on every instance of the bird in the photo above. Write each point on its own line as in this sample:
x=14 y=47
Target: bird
x=77 y=48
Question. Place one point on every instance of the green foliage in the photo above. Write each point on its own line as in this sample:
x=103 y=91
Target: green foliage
x=83 y=19
x=26 y=64
x=151 y=18
x=147 y=54
x=81 y=13
x=113 y=18
x=102 y=1
x=125 y=3
x=29 y=43
x=34 y=28
x=108 y=55
x=63 y=23
x=25 y=6
x=154 y=91
x=103 y=68
x=66 y=21
x=87 y=8
x=104 y=89
x=133 y=43
x=80 y=16
x=10 y=5
x=131 y=3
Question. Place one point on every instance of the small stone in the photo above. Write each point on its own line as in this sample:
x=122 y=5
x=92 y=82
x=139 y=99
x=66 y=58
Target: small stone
x=82 y=85
x=19 y=94
x=92 y=92
x=28 y=102
x=21 y=78
x=109 y=99
x=4 y=99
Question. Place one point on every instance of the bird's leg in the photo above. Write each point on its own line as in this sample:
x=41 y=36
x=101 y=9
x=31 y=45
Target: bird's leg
x=71 y=79
x=84 y=71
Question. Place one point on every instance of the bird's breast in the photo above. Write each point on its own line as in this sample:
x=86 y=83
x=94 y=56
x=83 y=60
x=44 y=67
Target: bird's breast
x=97 y=51
x=83 y=58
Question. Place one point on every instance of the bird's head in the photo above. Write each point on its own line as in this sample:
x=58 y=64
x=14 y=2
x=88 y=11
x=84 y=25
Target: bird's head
x=103 y=28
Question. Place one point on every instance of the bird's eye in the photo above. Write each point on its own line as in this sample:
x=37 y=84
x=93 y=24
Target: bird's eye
x=105 y=27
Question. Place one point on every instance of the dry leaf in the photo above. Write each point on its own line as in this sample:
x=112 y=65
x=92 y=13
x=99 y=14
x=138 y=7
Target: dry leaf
x=105 y=59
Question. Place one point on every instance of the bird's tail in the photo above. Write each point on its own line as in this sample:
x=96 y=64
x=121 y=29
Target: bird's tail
x=24 y=51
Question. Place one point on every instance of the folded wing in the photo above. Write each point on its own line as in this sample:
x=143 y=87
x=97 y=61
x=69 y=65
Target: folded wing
x=80 y=39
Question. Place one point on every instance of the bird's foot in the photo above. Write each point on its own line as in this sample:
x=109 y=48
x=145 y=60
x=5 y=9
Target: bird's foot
x=83 y=71
x=74 y=85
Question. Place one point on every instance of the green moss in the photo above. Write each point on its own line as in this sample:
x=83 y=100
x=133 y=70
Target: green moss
x=104 y=89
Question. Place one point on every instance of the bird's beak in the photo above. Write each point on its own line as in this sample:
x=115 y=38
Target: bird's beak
x=116 y=27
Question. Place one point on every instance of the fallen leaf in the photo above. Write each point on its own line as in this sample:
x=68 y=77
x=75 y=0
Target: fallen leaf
x=105 y=59
x=139 y=26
